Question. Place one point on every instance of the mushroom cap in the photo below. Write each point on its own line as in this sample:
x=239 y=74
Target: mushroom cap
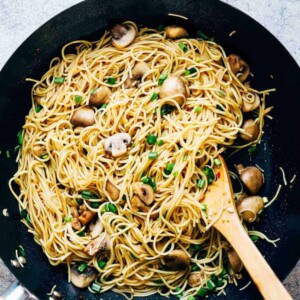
x=252 y=177
x=234 y=260
x=84 y=117
x=117 y=144
x=195 y=279
x=123 y=35
x=238 y=66
x=174 y=88
x=252 y=130
x=174 y=32
x=102 y=242
x=251 y=101
x=100 y=96
x=177 y=260
x=140 y=69
x=112 y=190
x=250 y=207
x=82 y=280
x=144 y=192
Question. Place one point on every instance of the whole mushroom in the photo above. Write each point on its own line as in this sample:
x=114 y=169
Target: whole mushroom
x=238 y=67
x=138 y=72
x=250 y=207
x=234 y=260
x=123 y=35
x=177 y=260
x=251 y=131
x=84 y=117
x=175 y=32
x=117 y=144
x=252 y=177
x=100 y=96
x=82 y=280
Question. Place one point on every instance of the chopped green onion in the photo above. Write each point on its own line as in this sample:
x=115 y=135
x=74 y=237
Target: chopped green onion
x=166 y=109
x=151 y=139
x=160 y=27
x=7 y=154
x=185 y=158
x=101 y=264
x=154 y=96
x=81 y=233
x=20 y=137
x=183 y=47
x=198 y=109
x=95 y=204
x=202 y=292
x=219 y=282
x=96 y=287
x=79 y=201
x=170 y=167
x=149 y=181
x=210 y=284
x=254 y=238
x=82 y=267
x=204 y=206
x=160 y=142
x=44 y=156
x=111 y=80
x=153 y=155
x=195 y=268
x=132 y=255
x=78 y=99
x=162 y=78
x=217 y=162
x=38 y=108
x=252 y=149
x=190 y=71
x=219 y=107
x=191 y=298
x=104 y=105
x=59 y=80
x=21 y=251
x=198 y=59
x=175 y=173
x=210 y=174
x=68 y=219
x=86 y=194
x=221 y=93
x=177 y=289
x=109 y=207
x=23 y=213
x=224 y=273
x=212 y=39
x=158 y=281
x=201 y=183
x=196 y=247
x=202 y=35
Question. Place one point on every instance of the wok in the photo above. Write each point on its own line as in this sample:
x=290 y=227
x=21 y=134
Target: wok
x=280 y=145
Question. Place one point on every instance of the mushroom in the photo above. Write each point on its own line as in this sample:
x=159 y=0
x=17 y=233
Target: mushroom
x=238 y=67
x=251 y=101
x=112 y=190
x=175 y=32
x=252 y=177
x=195 y=279
x=38 y=150
x=138 y=72
x=82 y=280
x=251 y=131
x=96 y=229
x=177 y=260
x=117 y=144
x=78 y=129
x=174 y=88
x=75 y=221
x=250 y=207
x=102 y=242
x=123 y=35
x=100 y=96
x=138 y=205
x=83 y=117
x=144 y=192
x=85 y=215
x=234 y=260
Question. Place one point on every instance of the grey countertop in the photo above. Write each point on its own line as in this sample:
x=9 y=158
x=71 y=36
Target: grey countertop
x=280 y=17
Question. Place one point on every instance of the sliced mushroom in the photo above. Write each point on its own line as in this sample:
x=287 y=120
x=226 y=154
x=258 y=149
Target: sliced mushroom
x=175 y=32
x=177 y=260
x=38 y=150
x=252 y=177
x=75 y=221
x=234 y=260
x=174 y=88
x=82 y=280
x=84 y=117
x=102 y=242
x=138 y=205
x=112 y=190
x=100 y=96
x=123 y=35
x=78 y=129
x=251 y=101
x=144 y=192
x=195 y=279
x=96 y=229
x=238 y=67
x=251 y=131
x=85 y=215
x=139 y=70
x=117 y=144
x=250 y=207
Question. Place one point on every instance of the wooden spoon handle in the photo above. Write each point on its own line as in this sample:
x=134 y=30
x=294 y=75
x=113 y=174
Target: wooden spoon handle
x=263 y=276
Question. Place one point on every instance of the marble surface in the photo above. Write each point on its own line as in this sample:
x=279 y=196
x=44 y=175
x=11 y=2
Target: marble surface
x=19 y=18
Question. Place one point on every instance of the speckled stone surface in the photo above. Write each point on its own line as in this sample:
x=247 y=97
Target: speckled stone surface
x=19 y=18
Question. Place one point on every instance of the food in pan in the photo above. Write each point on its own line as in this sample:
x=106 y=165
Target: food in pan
x=118 y=150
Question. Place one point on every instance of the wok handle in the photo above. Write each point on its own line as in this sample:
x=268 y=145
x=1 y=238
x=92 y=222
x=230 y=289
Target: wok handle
x=16 y=292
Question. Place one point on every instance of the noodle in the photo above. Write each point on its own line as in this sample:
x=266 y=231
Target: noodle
x=50 y=184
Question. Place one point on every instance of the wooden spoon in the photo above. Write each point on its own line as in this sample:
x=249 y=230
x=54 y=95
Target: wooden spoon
x=220 y=206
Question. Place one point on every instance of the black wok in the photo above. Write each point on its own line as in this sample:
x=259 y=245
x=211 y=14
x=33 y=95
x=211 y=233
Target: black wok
x=280 y=146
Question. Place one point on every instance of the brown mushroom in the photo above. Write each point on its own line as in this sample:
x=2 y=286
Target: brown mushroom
x=252 y=177
x=38 y=150
x=238 y=67
x=102 y=242
x=75 y=221
x=82 y=280
x=112 y=190
x=85 y=215
x=84 y=117
x=250 y=207
x=177 y=260
x=100 y=96
x=117 y=144
x=138 y=72
x=138 y=205
x=96 y=228
x=234 y=260
x=174 y=88
x=195 y=279
x=251 y=101
x=175 y=32
x=144 y=192
x=251 y=131
x=78 y=129
x=123 y=35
